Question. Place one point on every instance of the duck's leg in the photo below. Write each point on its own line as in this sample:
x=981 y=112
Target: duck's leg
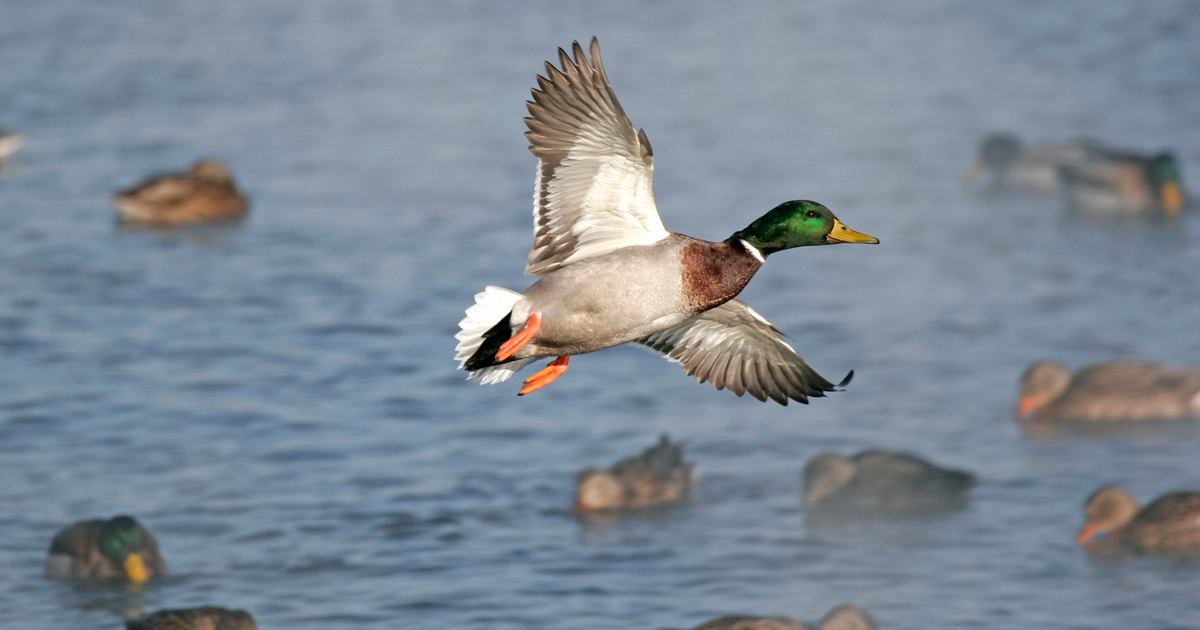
x=532 y=326
x=545 y=376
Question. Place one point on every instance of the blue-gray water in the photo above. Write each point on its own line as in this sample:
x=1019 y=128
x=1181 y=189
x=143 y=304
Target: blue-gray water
x=276 y=401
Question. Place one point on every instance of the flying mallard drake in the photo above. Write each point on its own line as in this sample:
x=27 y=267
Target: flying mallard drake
x=205 y=193
x=612 y=274
x=115 y=549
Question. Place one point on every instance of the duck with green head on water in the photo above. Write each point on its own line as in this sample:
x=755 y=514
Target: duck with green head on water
x=115 y=549
x=613 y=274
x=1124 y=184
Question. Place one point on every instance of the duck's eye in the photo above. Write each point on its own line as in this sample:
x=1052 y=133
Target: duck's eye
x=812 y=214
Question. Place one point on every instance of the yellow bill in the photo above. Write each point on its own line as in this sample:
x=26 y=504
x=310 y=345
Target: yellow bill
x=1172 y=197
x=842 y=234
x=135 y=568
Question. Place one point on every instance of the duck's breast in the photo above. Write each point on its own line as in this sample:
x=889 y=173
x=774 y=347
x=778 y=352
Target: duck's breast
x=605 y=301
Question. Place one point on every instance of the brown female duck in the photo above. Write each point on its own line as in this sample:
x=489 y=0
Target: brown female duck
x=1168 y=525
x=1108 y=392
x=205 y=193
x=659 y=475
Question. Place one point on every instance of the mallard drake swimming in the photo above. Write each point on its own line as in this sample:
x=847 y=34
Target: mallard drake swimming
x=659 y=475
x=205 y=193
x=117 y=548
x=612 y=274
x=844 y=617
x=9 y=143
x=202 y=618
x=1110 y=183
x=880 y=482
x=1108 y=392
x=1169 y=525
x=1005 y=164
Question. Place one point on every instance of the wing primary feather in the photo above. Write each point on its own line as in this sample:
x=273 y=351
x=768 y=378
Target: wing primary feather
x=734 y=348
x=647 y=152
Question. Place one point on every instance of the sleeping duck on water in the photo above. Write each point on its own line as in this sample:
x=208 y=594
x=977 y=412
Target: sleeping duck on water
x=613 y=274
x=205 y=193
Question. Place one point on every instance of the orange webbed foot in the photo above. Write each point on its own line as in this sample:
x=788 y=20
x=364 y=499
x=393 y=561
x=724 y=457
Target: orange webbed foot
x=532 y=326
x=546 y=376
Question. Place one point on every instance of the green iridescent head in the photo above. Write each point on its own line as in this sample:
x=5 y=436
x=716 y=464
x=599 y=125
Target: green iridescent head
x=121 y=536
x=798 y=224
x=123 y=541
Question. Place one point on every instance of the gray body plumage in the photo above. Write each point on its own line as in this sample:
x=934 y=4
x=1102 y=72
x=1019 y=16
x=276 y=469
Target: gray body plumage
x=604 y=301
x=880 y=482
x=1005 y=164
x=611 y=272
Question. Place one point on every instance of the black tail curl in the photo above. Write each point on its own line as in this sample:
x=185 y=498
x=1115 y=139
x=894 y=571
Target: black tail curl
x=485 y=355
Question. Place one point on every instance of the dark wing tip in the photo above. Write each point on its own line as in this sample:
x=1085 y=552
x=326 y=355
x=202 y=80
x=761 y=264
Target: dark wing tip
x=647 y=152
x=846 y=381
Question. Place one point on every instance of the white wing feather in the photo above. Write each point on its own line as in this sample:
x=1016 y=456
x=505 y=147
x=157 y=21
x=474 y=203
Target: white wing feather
x=593 y=192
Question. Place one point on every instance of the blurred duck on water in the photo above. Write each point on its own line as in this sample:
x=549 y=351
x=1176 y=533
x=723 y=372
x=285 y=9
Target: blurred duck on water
x=1005 y=164
x=657 y=476
x=1108 y=392
x=879 y=483
x=1169 y=525
x=205 y=193
x=1114 y=184
x=202 y=618
x=10 y=141
x=115 y=549
x=844 y=617
x=613 y=274
x=1096 y=181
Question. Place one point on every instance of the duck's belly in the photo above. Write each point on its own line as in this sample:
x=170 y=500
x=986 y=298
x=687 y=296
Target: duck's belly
x=605 y=301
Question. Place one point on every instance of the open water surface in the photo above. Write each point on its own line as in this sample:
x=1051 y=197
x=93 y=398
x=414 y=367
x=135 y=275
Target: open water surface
x=277 y=401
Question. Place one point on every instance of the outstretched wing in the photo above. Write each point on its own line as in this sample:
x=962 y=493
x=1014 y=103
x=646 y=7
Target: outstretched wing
x=733 y=347
x=594 y=188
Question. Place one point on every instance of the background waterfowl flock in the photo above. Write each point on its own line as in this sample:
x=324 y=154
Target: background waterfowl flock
x=273 y=396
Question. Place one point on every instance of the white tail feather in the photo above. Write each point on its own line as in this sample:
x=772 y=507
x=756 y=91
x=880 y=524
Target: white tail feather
x=491 y=305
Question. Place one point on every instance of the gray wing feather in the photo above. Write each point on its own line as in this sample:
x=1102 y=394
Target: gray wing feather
x=734 y=348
